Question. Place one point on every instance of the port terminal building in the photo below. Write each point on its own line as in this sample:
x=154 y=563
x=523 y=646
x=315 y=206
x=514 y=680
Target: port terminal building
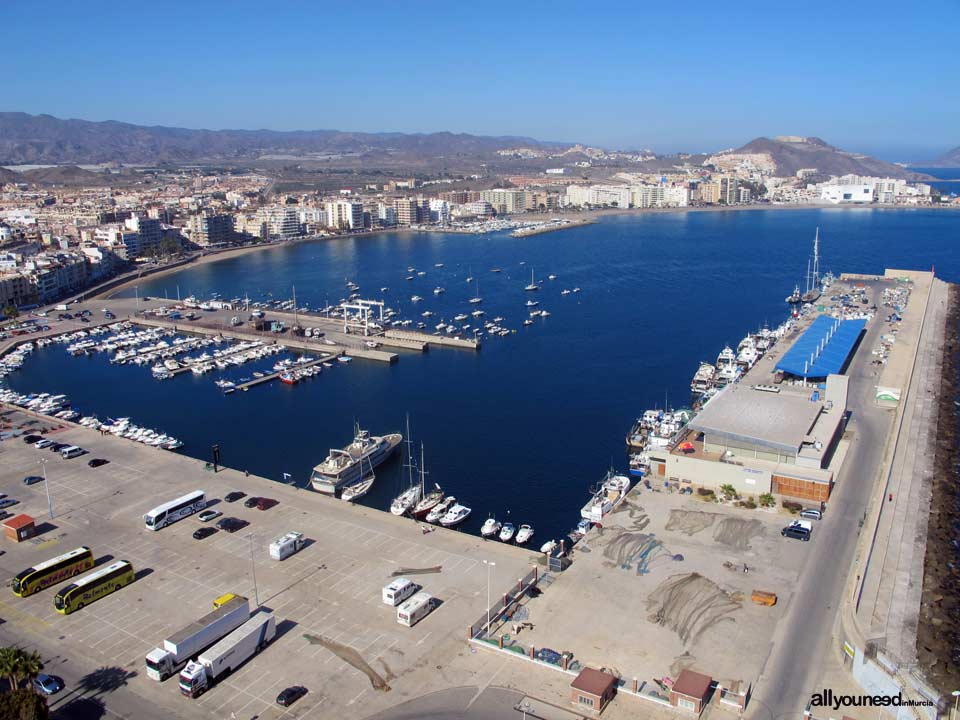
x=761 y=439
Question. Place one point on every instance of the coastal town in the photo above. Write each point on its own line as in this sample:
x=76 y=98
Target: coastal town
x=59 y=239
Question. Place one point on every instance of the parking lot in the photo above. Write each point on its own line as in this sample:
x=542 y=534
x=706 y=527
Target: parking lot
x=334 y=634
x=661 y=587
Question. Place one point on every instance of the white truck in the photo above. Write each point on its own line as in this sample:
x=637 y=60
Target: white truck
x=284 y=547
x=228 y=654
x=162 y=662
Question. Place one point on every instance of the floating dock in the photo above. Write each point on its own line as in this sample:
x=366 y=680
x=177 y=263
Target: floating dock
x=274 y=375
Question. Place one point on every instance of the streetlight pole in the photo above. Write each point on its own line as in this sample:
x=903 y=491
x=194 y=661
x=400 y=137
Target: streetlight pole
x=46 y=484
x=253 y=570
x=489 y=565
x=956 y=702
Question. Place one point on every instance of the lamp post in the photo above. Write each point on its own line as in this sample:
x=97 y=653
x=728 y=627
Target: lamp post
x=956 y=701
x=253 y=571
x=43 y=464
x=489 y=565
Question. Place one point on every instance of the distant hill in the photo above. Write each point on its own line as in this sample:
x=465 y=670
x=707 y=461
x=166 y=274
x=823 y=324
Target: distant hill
x=949 y=159
x=9 y=176
x=64 y=175
x=789 y=154
x=43 y=139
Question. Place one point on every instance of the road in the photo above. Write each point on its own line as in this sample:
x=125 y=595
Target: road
x=792 y=669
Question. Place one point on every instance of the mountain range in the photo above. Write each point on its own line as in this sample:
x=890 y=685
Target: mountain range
x=45 y=140
x=950 y=159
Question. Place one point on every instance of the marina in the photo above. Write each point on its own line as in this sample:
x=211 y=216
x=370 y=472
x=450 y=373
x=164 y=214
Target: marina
x=505 y=430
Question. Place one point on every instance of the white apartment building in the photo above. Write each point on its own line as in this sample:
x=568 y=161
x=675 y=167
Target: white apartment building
x=506 y=201
x=844 y=194
x=647 y=196
x=439 y=211
x=676 y=196
x=598 y=195
x=344 y=214
x=387 y=214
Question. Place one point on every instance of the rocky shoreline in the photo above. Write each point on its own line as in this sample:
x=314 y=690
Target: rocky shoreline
x=938 y=631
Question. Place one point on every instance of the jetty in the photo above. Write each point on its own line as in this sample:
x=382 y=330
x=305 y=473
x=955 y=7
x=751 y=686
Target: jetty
x=550 y=226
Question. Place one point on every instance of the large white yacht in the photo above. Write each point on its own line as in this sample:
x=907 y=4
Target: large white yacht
x=342 y=467
x=611 y=492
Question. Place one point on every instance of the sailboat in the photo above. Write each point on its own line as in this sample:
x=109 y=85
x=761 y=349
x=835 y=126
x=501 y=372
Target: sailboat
x=411 y=496
x=476 y=298
x=361 y=487
x=813 y=274
x=428 y=500
x=532 y=286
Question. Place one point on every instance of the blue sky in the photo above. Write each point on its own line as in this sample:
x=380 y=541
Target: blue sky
x=879 y=77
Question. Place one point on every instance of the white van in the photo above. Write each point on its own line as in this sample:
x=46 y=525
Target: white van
x=284 y=547
x=398 y=591
x=415 y=609
x=72 y=452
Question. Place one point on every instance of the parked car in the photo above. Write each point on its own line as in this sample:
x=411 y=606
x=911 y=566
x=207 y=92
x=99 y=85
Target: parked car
x=30 y=439
x=251 y=501
x=8 y=502
x=231 y=525
x=97 y=462
x=32 y=480
x=548 y=655
x=47 y=684
x=208 y=515
x=234 y=496
x=41 y=444
x=811 y=514
x=289 y=696
x=204 y=532
x=796 y=532
x=266 y=503
x=57 y=447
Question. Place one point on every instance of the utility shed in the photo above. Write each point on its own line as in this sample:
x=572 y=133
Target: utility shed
x=690 y=691
x=592 y=689
x=19 y=528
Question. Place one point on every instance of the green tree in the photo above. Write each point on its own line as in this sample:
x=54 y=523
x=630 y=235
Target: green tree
x=767 y=500
x=19 y=665
x=729 y=491
x=23 y=704
x=10 y=310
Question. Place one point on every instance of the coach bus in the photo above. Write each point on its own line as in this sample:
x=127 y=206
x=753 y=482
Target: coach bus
x=93 y=586
x=50 y=572
x=170 y=512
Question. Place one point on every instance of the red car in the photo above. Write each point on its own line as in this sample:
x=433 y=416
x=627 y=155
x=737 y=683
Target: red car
x=266 y=503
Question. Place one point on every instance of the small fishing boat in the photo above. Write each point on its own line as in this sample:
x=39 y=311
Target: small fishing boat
x=455 y=515
x=549 y=546
x=440 y=509
x=524 y=534
x=507 y=532
x=490 y=527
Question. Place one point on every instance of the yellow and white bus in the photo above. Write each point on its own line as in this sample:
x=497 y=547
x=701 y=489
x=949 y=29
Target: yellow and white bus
x=94 y=586
x=170 y=512
x=52 y=571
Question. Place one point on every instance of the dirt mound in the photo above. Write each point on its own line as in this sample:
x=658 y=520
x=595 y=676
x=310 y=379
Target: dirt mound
x=690 y=604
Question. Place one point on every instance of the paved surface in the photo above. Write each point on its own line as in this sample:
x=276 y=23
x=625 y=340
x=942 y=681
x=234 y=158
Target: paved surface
x=890 y=602
x=794 y=668
x=627 y=603
x=326 y=598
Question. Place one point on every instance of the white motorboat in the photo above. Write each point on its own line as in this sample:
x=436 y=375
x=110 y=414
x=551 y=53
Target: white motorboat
x=490 y=527
x=416 y=298
x=576 y=289
x=524 y=534
x=440 y=509
x=439 y=290
x=549 y=546
x=564 y=292
x=551 y=277
x=532 y=303
x=455 y=515
x=461 y=317
x=507 y=532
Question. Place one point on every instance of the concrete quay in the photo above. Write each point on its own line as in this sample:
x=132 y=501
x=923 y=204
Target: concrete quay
x=335 y=636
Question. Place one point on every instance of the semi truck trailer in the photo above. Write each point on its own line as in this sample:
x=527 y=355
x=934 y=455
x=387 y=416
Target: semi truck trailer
x=228 y=654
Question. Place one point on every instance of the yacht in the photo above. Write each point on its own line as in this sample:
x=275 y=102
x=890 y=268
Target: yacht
x=440 y=509
x=461 y=317
x=727 y=369
x=507 y=532
x=342 y=467
x=703 y=378
x=524 y=534
x=455 y=515
x=490 y=527
x=428 y=500
x=611 y=492
x=476 y=298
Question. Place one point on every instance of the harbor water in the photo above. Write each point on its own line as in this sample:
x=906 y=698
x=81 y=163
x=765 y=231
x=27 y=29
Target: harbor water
x=523 y=428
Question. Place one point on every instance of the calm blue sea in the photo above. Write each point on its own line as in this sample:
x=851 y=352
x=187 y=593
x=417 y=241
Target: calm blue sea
x=948 y=179
x=529 y=423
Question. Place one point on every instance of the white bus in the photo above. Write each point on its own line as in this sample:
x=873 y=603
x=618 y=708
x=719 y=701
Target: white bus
x=170 y=512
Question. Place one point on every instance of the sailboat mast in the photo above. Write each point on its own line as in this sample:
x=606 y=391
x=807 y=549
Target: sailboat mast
x=423 y=473
x=816 y=258
x=409 y=454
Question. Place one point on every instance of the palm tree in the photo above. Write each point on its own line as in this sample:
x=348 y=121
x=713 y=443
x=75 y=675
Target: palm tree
x=19 y=665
